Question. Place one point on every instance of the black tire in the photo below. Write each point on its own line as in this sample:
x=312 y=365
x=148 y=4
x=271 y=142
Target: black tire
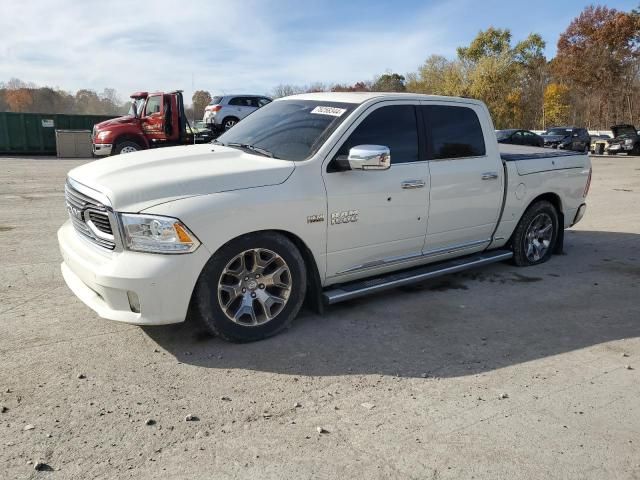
x=521 y=241
x=208 y=299
x=228 y=123
x=126 y=145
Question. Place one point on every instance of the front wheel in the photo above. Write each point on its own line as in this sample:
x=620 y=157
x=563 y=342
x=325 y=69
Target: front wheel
x=536 y=234
x=252 y=288
x=126 y=147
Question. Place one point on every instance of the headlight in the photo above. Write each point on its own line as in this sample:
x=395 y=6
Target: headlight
x=104 y=134
x=155 y=234
x=628 y=141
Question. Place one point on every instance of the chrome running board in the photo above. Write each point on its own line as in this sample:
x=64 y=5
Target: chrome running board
x=359 y=288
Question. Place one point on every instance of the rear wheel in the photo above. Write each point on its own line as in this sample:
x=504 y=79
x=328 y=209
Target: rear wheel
x=126 y=147
x=536 y=234
x=252 y=288
x=229 y=123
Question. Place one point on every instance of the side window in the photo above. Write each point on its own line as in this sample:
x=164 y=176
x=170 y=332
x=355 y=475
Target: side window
x=263 y=101
x=455 y=131
x=394 y=127
x=153 y=105
x=254 y=102
x=237 y=101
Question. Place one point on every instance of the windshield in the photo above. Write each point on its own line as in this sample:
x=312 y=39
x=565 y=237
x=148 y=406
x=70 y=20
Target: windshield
x=502 y=134
x=137 y=105
x=289 y=129
x=559 y=131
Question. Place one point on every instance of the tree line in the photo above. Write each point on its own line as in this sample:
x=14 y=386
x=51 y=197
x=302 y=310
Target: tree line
x=19 y=96
x=593 y=81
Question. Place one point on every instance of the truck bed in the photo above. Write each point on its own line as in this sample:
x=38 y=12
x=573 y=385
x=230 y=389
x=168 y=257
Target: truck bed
x=537 y=159
x=510 y=153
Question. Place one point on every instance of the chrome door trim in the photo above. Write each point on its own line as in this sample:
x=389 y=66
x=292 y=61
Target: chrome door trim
x=398 y=260
x=454 y=248
x=383 y=262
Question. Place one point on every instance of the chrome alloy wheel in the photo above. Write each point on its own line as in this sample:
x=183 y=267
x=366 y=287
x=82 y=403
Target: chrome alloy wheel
x=229 y=123
x=538 y=237
x=254 y=287
x=128 y=149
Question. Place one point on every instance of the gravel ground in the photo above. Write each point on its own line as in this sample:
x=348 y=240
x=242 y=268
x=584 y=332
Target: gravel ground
x=496 y=373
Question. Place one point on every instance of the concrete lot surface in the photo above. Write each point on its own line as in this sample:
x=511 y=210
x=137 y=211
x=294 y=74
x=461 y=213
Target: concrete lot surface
x=497 y=373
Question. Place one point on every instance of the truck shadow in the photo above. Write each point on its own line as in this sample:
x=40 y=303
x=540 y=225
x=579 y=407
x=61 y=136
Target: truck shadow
x=458 y=325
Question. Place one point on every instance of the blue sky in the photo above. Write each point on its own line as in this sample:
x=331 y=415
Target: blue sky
x=250 y=46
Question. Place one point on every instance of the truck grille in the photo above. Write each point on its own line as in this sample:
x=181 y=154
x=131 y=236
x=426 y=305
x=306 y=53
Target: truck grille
x=90 y=218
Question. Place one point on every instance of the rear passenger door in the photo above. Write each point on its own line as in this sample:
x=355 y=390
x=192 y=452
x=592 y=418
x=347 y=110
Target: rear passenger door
x=377 y=218
x=466 y=178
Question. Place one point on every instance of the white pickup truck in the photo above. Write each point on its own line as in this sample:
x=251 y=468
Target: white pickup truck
x=324 y=196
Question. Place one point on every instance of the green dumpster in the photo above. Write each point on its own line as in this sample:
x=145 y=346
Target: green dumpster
x=35 y=133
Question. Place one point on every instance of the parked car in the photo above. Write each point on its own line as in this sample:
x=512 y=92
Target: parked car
x=568 y=138
x=599 y=143
x=625 y=139
x=519 y=137
x=223 y=112
x=323 y=196
x=200 y=133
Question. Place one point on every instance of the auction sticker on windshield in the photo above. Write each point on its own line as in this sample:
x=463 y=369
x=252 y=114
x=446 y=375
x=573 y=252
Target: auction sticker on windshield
x=333 y=111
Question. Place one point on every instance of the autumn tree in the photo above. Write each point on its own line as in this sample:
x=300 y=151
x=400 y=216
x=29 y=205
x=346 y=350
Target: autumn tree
x=19 y=100
x=389 y=82
x=200 y=99
x=598 y=56
x=556 y=104
x=356 y=87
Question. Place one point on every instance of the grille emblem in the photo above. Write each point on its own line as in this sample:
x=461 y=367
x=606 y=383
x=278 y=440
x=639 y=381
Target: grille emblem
x=75 y=212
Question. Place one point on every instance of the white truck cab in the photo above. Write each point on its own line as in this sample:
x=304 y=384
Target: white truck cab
x=323 y=196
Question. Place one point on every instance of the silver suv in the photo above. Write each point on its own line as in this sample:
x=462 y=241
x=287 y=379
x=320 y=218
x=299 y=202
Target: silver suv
x=223 y=112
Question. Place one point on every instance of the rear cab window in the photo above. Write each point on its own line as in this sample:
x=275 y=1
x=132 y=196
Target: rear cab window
x=453 y=132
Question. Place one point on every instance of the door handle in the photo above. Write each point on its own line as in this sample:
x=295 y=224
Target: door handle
x=489 y=176
x=410 y=184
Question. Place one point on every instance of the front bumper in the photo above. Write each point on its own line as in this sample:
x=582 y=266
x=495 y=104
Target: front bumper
x=102 y=149
x=102 y=279
x=619 y=147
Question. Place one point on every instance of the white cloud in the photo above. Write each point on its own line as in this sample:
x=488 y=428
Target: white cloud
x=228 y=46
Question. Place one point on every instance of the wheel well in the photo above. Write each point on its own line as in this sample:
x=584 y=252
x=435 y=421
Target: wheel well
x=313 y=297
x=140 y=140
x=554 y=200
x=230 y=117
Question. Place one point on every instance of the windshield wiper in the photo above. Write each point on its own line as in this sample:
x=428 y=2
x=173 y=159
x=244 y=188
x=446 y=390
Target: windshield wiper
x=252 y=148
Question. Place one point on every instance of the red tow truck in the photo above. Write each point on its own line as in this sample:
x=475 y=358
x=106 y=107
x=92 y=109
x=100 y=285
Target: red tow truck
x=154 y=120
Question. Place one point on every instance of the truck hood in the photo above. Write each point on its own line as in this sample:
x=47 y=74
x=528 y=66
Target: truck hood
x=116 y=121
x=624 y=131
x=140 y=180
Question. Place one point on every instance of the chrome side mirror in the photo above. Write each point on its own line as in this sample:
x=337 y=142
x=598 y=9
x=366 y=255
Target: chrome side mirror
x=369 y=157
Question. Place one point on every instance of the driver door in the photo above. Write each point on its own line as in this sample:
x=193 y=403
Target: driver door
x=153 y=119
x=377 y=218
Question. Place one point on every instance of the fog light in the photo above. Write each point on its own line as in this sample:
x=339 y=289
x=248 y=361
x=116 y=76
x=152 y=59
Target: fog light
x=134 y=302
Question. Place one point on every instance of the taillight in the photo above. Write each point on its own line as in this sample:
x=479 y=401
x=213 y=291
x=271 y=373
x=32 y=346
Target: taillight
x=213 y=108
x=586 y=188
